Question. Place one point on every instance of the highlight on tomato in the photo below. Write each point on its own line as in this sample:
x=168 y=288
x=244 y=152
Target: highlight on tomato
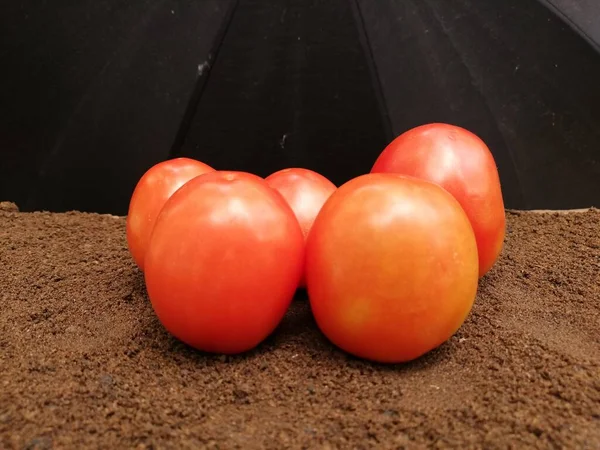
x=149 y=196
x=305 y=191
x=460 y=162
x=223 y=262
x=391 y=267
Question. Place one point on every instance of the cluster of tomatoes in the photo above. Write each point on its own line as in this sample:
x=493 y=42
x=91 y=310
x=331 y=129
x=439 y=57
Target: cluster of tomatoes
x=390 y=260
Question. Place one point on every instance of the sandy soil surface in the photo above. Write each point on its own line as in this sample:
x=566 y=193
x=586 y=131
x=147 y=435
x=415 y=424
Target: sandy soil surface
x=85 y=363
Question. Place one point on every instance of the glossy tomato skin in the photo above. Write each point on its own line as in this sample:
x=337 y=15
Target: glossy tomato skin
x=461 y=163
x=151 y=192
x=223 y=262
x=305 y=191
x=391 y=267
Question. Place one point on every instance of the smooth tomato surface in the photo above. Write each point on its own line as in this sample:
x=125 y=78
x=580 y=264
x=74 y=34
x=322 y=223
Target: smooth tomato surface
x=305 y=191
x=150 y=194
x=461 y=163
x=391 y=267
x=224 y=262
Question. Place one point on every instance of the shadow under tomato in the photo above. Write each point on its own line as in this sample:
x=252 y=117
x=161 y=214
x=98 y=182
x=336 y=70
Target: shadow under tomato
x=297 y=334
x=296 y=328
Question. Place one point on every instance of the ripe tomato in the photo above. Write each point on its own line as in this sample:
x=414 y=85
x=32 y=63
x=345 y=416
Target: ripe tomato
x=223 y=262
x=305 y=191
x=461 y=163
x=149 y=196
x=391 y=267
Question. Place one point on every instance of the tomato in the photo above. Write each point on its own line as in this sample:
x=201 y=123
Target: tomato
x=305 y=191
x=461 y=163
x=391 y=267
x=149 y=196
x=223 y=262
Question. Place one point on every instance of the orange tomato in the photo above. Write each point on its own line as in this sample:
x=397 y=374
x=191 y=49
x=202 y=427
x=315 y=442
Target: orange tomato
x=391 y=267
x=151 y=192
x=223 y=262
x=461 y=163
x=305 y=191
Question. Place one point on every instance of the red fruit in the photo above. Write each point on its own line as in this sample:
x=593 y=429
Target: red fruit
x=461 y=163
x=305 y=191
x=152 y=191
x=224 y=262
x=391 y=267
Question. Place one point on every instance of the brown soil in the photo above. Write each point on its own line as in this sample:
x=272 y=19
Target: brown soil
x=85 y=363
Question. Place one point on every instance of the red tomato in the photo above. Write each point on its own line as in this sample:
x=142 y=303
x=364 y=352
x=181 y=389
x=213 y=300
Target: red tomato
x=149 y=196
x=305 y=191
x=223 y=262
x=391 y=267
x=461 y=163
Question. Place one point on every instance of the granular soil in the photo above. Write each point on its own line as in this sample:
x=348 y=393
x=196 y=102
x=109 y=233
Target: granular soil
x=85 y=363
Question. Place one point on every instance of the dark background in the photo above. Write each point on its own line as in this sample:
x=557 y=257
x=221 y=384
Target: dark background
x=95 y=92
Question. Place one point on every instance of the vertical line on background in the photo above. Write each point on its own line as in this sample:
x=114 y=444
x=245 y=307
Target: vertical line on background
x=371 y=64
x=201 y=83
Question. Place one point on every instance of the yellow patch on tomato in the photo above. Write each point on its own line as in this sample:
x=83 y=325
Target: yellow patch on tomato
x=357 y=312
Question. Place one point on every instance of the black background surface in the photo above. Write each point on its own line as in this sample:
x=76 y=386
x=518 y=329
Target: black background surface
x=94 y=93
